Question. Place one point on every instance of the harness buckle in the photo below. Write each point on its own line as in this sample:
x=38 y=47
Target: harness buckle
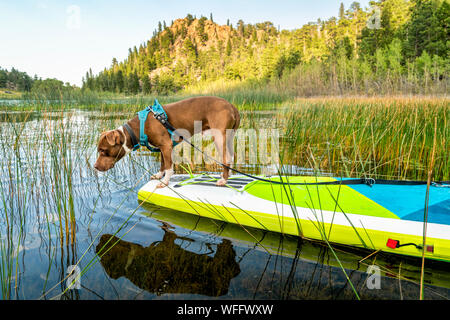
x=160 y=117
x=369 y=181
x=440 y=185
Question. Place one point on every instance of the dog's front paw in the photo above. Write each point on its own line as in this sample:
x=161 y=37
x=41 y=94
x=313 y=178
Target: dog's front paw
x=161 y=185
x=157 y=176
x=221 y=182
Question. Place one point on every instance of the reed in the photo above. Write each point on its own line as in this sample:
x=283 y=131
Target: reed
x=378 y=137
x=319 y=223
x=43 y=172
x=14 y=199
x=425 y=214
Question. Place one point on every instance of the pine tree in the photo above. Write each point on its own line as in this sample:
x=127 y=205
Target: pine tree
x=146 y=86
x=441 y=30
x=114 y=63
x=241 y=27
x=3 y=78
x=133 y=83
x=201 y=30
x=189 y=49
x=189 y=18
x=341 y=11
x=119 y=81
x=419 y=30
x=228 y=48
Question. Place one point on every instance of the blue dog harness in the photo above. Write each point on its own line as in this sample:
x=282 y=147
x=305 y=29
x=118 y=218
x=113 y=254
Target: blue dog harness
x=160 y=115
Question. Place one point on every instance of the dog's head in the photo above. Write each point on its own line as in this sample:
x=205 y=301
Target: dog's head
x=110 y=149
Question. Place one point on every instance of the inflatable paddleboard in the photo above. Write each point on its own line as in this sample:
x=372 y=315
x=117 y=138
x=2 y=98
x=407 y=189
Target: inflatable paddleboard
x=377 y=217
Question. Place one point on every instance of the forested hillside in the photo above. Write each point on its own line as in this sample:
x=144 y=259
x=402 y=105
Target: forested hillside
x=394 y=46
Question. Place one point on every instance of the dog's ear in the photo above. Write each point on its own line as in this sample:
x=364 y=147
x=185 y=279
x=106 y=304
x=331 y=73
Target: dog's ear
x=114 y=137
x=119 y=137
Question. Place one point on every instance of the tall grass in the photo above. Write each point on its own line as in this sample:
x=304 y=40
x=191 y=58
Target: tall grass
x=14 y=200
x=381 y=137
x=45 y=178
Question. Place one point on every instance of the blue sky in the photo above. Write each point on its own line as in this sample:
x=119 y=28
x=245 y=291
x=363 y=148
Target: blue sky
x=63 y=39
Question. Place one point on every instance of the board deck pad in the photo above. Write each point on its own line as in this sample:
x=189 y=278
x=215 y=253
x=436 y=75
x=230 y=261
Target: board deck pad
x=372 y=217
x=210 y=181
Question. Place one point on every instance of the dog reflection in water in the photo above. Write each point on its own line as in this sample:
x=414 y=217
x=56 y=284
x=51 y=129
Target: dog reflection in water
x=165 y=267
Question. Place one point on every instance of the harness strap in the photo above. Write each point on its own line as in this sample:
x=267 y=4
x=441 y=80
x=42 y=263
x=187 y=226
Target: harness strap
x=161 y=116
x=142 y=115
x=134 y=140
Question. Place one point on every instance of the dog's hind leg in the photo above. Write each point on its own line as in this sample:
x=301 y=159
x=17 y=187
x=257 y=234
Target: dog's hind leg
x=221 y=145
x=230 y=148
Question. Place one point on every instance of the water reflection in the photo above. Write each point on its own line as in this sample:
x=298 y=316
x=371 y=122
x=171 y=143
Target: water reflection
x=165 y=267
x=274 y=266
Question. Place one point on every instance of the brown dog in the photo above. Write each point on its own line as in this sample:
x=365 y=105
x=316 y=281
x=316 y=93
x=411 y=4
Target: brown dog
x=217 y=116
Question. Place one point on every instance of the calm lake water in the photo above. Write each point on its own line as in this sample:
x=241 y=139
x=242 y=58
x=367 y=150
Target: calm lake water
x=126 y=250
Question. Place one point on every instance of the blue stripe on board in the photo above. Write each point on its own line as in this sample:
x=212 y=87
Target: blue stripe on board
x=438 y=213
x=408 y=202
